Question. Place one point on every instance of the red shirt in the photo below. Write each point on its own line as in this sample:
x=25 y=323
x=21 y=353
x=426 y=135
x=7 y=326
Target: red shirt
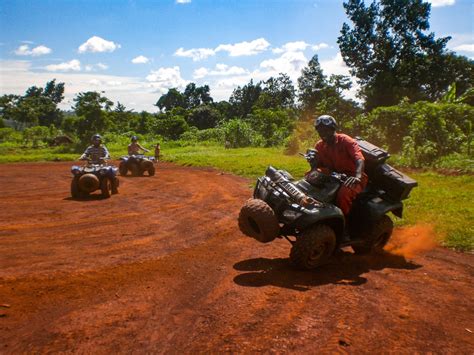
x=341 y=156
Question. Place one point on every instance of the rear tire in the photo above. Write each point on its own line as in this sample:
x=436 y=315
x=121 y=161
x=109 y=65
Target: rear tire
x=377 y=237
x=151 y=171
x=314 y=247
x=106 y=187
x=257 y=220
x=123 y=168
x=134 y=169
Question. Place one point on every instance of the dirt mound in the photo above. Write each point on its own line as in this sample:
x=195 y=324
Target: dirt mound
x=162 y=267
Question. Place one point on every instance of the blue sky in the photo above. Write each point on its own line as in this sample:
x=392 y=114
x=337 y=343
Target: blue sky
x=135 y=50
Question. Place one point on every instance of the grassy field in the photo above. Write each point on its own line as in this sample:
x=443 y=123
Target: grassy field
x=443 y=201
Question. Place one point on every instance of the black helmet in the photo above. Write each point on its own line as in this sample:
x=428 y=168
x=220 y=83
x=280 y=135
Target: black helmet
x=96 y=136
x=325 y=120
x=134 y=138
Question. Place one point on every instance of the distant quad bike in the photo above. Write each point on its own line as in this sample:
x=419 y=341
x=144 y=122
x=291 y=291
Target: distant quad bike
x=91 y=177
x=137 y=165
x=304 y=213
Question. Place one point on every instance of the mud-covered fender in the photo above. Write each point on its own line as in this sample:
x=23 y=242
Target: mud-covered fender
x=327 y=214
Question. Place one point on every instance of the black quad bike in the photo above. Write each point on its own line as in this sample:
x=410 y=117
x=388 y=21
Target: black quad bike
x=304 y=213
x=91 y=177
x=137 y=165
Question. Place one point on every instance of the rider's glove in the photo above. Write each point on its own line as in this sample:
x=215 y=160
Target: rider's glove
x=351 y=181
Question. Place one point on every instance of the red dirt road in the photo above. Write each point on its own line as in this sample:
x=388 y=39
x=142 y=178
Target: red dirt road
x=162 y=267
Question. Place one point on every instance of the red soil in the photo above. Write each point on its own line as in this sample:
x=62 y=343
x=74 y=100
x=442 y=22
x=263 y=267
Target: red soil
x=162 y=267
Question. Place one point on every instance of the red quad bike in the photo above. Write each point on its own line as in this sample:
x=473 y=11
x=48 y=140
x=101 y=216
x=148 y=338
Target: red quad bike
x=137 y=165
x=304 y=211
x=91 y=177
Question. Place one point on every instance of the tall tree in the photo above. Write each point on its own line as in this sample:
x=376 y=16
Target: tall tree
x=277 y=92
x=93 y=109
x=243 y=98
x=390 y=51
x=197 y=95
x=172 y=99
x=312 y=85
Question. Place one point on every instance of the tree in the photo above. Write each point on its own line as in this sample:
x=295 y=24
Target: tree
x=390 y=52
x=243 y=99
x=277 y=92
x=93 y=110
x=204 y=117
x=312 y=85
x=172 y=99
x=197 y=95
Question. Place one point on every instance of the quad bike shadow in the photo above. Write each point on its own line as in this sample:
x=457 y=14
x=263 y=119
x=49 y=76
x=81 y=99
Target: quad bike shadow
x=344 y=268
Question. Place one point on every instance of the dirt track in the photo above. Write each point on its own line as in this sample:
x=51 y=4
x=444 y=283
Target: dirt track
x=162 y=267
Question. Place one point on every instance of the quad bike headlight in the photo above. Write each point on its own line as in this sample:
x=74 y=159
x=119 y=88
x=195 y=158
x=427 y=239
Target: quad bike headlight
x=75 y=170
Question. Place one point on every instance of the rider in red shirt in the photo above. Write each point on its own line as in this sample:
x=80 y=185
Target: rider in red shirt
x=340 y=153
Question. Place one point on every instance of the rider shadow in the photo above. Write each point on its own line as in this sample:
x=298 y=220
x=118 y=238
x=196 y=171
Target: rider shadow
x=344 y=269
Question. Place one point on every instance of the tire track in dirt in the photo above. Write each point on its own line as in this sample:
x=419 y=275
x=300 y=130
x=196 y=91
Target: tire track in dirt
x=162 y=268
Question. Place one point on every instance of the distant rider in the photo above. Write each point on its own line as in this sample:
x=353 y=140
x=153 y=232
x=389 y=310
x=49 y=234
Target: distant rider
x=97 y=153
x=135 y=147
x=340 y=153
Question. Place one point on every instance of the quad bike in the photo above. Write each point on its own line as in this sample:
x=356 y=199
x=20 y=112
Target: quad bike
x=137 y=165
x=91 y=177
x=304 y=211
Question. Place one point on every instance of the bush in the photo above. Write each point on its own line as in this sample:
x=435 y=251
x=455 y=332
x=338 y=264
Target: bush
x=240 y=134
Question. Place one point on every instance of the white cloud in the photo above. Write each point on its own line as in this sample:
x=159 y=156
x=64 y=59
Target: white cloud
x=95 y=67
x=97 y=45
x=220 y=70
x=440 y=3
x=166 y=78
x=73 y=65
x=292 y=47
x=24 y=49
x=183 y=1
x=196 y=53
x=290 y=63
x=319 y=46
x=140 y=60
x=337 y=66
x=18 y=76
x=465 y=48
x=244 y=48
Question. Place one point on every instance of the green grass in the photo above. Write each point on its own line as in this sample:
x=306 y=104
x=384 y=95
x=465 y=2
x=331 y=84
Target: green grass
x=443 y=201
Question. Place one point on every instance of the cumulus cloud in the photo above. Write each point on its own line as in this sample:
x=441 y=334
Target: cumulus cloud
x=319 y=46
x=136 y=94
x=166 y=78
x=95 y=67
x=73 y=65
x=290 y=63
x=24 y=49
x=465 y=48
x=183 y=1
x=440 y=3
x=140 y=60
x=245 y=48
x=291 y=47
x=220 y=70
x=97 y=45
x=196 y=53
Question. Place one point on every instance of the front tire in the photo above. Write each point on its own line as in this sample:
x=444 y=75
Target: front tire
x=106 y=187
x=75 y=191
x=314 y=247
x=377 y=237
x=257 y=220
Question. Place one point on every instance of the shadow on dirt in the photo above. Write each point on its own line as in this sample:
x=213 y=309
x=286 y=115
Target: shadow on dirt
x=91 y=197
x=345 y=268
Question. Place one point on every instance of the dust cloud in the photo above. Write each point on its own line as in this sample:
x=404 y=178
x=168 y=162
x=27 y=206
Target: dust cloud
x=411 y=241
